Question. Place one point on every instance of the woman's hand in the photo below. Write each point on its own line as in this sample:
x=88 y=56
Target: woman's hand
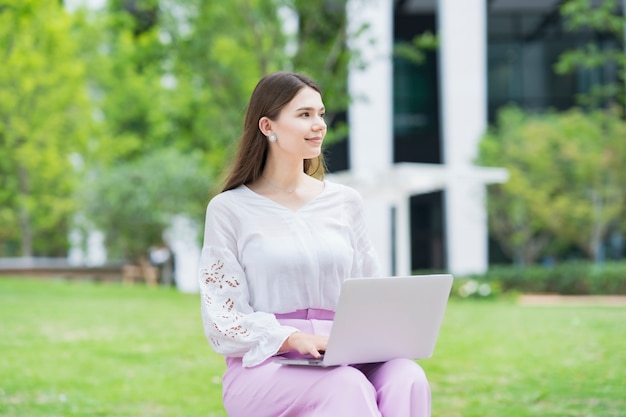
x=305 y=343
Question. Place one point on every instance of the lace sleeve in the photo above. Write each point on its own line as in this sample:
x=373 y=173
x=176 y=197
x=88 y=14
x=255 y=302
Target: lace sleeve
x=230 y=324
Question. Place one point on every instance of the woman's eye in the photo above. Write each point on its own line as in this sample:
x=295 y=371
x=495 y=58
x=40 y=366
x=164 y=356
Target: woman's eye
x=322 y=115
x=305 y=114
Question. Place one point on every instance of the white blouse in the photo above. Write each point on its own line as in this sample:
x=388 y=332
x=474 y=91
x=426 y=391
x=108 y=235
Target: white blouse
x=261 y=258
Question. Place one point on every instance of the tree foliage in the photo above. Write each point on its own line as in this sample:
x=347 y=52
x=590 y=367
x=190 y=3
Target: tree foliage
x=135 y=201
x=44 y=123
x=416 y=50
x=567 y=182
x=113 y=118
x=514 y=220
x=605 y=53
x=217 y=51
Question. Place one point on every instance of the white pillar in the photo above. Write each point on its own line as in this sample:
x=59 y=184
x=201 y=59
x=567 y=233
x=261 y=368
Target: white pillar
x=462 y=31
x=466 y=227
x=403 y=237
x=370 y=113
x=182 y=238
x=378 y=217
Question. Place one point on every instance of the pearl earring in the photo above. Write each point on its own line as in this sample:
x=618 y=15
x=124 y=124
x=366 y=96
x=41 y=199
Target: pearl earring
x=272 y=137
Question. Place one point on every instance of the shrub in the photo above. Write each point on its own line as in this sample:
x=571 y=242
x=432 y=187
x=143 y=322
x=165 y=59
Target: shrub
x=575 y=278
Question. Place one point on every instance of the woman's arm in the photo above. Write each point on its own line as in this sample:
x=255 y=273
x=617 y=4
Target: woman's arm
x=230 y=324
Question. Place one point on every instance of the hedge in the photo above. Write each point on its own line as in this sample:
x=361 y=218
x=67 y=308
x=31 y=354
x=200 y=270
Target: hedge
x=569 y=278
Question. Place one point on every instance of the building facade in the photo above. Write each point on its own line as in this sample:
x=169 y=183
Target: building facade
x=415 y=129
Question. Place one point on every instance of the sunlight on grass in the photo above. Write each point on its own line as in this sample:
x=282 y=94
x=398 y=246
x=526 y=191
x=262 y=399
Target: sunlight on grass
x=81 y=349
x=500 y=359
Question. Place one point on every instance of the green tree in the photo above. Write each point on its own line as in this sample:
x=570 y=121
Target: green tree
x=134 y=201
x=112 y=88
x=217 y=56
x=126 y=84
x=590 y=166
x=518 y=144
x=44 y=123
x=567 y=182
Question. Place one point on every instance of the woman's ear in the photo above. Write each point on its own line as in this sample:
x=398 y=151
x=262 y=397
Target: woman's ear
x=265 y=125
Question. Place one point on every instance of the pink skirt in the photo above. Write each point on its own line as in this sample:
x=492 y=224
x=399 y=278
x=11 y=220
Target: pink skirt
x=397 y=388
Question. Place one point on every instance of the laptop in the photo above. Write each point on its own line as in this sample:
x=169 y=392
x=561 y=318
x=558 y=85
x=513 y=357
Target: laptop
x=379 y=319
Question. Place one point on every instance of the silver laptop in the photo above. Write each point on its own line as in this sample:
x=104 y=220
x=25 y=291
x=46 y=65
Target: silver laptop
x=378 y=319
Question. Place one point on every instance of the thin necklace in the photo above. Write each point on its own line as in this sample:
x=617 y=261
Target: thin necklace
x=287 y=190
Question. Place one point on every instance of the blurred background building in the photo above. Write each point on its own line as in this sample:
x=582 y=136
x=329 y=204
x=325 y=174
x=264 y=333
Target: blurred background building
x=414 y=129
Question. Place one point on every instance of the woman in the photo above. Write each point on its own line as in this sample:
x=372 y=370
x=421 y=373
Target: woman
x=279 y=241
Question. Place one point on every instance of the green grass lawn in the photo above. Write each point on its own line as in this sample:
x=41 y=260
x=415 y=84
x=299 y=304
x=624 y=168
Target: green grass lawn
x=83 y=349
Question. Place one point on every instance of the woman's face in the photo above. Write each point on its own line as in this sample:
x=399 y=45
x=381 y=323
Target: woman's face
x=300 y=126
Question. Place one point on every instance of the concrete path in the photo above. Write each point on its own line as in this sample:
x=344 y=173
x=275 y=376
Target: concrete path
x=570 y=300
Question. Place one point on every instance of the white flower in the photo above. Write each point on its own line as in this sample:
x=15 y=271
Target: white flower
x=484 y=290
x=468 y=288
x=471 y=286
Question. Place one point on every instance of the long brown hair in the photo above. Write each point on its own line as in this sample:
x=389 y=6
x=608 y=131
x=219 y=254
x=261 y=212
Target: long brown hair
x=271 y=94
